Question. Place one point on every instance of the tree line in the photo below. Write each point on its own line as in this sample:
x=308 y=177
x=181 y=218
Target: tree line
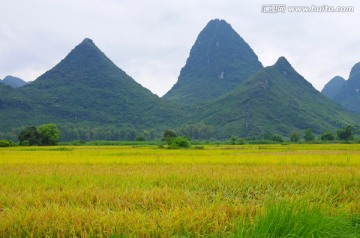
x=344 y=134
x=49 y=134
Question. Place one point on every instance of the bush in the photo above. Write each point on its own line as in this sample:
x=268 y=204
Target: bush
x=168 y=136
x=294 y=137
x=308 y=135
x=77 y=142
x=327 y=136
x=140 y=138
x=345 y=134
x=6 y=143
x=199 y=147
x=179 y=143
x=242 y=141
x=277 y=138
x=232 y=140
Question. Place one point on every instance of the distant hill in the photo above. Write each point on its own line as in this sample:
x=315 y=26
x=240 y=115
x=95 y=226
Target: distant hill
x=348 y=92
x=276 y=100
x=87 y=88
x=219 y=61
x=13 y=82
x=14 y=108
x=333 y=87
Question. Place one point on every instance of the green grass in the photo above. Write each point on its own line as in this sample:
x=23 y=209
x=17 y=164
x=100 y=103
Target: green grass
x=297 y=220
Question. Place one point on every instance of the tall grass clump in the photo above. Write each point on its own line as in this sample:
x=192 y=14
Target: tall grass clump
x=297 y=220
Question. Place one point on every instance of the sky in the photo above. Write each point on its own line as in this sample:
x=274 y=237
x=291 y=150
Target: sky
x=151 y=40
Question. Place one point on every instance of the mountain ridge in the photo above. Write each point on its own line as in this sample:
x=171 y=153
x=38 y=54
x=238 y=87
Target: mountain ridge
x=86 y=87
x=89 y=97
x=218 y=61
x=277 y=100
x=333 y=87
x=13 y=82
x=348 y=92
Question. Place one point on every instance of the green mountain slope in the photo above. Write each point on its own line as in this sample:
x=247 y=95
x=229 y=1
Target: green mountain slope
x=333 y=87
x=86 y=88
x=349 y=94
x=275 y=100
x=90 y=98
x=13 y=82
x=219 y=61
x=14 y=108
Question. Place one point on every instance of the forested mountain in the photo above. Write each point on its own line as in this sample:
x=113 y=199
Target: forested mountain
x=276 y=100
x=223 y=90
x=333 y=87
x=219 y=61
x=87 y=86
x=347 y=93
x=14 y=108
x=13 y=82
x=88 y=89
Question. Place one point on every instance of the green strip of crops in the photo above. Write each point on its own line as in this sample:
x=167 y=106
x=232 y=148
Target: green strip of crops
x=221 y=191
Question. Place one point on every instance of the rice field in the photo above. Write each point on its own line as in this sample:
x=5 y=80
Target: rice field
x=218 y=191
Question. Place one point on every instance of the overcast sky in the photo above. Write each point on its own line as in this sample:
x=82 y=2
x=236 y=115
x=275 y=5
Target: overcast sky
x=151 y=40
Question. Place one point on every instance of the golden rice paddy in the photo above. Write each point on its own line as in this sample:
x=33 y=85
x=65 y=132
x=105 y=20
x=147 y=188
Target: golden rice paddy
x=124 y=191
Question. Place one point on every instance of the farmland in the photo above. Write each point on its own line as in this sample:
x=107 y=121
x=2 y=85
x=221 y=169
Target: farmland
x=146 y=191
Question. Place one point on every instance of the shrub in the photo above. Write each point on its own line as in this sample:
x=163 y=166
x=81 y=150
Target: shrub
x=277 y=138
x=308 y=135
x=345 y=134
x=140 y=138
x=77 y=142
x=199 y=147
x=232 y=140
x=6 y=143
x=179 y=143
x=294 y=137
x=327 y=136
x=168 y=136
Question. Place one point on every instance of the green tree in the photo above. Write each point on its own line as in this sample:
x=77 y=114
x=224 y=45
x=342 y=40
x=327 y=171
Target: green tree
x=6 y=143
x=179 y=143
x=345 y=134
x=49 y=134
x=294 y=137
x=277 y=138
x=199 y=131
x=308 y=135
x=327 y=136
x=168 y=136
x=232 y=140
x=29 y=136
x=268 y=136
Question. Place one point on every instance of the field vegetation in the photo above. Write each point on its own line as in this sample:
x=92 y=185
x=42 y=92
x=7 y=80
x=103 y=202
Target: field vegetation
x=146 y=191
